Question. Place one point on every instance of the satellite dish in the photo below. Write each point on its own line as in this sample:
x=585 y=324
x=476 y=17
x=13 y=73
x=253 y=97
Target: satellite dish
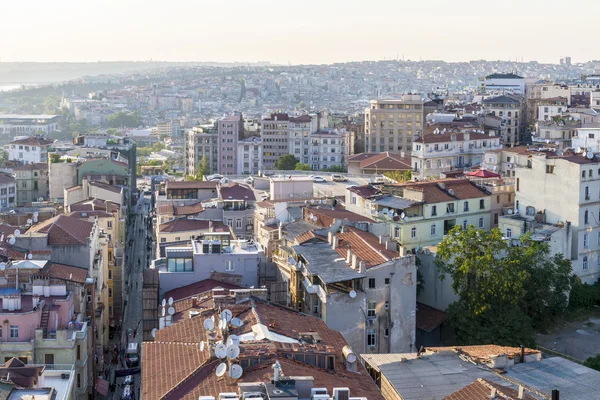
x=35 y=219
x=163 y=311
x=41 y=199
x=510 y=211
x=233 y=351
x=36 y=214
x=164 y=302
x=385 y=210
x=311 y=216
x=17 y=233
x=202 y=345
x=233 y=340
x=235 y=371
x=590 y=155
x=2 y=266
x=352 y=294
x=30 y=256
x=29 y=221
x=171 y=310
x=209 y=324
x=226 y=315
x=170 y=301
x=153 y=333
x=221 y=369
x=221 y=351
x=402 y=215
x=312 y=201
x=236 y=322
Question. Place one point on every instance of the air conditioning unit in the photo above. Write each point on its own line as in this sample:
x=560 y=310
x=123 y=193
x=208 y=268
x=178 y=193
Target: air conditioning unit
x=320 y=397
x=65 y=376
x=228 y=395
x=318 y=391
x=341 y=393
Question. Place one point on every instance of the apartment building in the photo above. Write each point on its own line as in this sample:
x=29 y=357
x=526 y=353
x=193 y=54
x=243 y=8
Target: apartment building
x=509 y=108
x=249 y=156
x=32 y=183
x=28 y=149
x=558 y=131
x=586 y=138
x=577 y=178
x=391 y=124
x=275 y=138
x=8 y=191
x=22 y=124
x=299 y=130
x=44 y=319
x=327 y=149
x=503 y=83
x=171 y=128
x=229 y=131
x=550 y=108
x=444 y=147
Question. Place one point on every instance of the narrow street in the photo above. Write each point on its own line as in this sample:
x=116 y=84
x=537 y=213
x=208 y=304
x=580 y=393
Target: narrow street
x=137 y=259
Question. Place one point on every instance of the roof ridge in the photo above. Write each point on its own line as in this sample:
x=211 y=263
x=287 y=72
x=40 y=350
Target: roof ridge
x=377 y=251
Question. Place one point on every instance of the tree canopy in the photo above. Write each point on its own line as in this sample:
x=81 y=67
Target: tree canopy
x=504 y=290
x=302 y=167
x=286 y=162
x=123 y=119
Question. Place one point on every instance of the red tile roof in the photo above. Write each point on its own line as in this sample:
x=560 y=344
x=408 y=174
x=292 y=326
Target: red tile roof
x=364 y=191
x=7 y=179
x=306 y=236
x=236 y=191
x=481 y=389
x=386 y=161
x=174 y=209
x=94 y=204
x=186 y=224
x=429 y=318
x=65 y=272
x=106 y=186
x=190 y=380
x=446 y=190
x=64 y=230
x=365 y=245
x=33 y=141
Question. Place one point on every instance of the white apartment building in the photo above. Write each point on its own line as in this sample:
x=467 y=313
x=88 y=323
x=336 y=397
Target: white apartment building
x=560 y=132
x=510 y=109
x=446 y=148
x=16 y=124
x=329 y=148
x=504 y=83
x=391 y=124
x=28 y=149
x=8 y=191
x=249 y=155
x=201 y=141
x=587 y=138
x=547 y=90
x=564 y=191
x=550 y=108
x=300 y=144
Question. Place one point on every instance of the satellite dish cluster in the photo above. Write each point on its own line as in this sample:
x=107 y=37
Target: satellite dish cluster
x=229 y=348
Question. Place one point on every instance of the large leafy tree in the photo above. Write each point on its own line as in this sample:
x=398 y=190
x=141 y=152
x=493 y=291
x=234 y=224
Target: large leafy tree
x=203 y=168
x=504 y=290
x=302 y=167
x=286 y=162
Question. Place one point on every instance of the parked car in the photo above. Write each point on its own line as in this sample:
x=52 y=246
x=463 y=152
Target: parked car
x=318 y=179
x=338 y=178
x=248 y=180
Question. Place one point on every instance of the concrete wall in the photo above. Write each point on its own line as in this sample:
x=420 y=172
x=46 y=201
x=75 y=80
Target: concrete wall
x=61 y=176
x=347 y=315
x=101 y=167
x=436 y=293
x=73 y=196
x=281 y=189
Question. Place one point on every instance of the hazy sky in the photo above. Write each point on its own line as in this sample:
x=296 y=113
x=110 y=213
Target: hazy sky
x=301 y=31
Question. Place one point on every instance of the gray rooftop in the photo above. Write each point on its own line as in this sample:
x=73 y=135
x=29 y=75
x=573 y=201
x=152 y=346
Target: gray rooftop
x=396 y=202
x=320 y=258
x=296 y=228
x=572 y=380
x=27 y=116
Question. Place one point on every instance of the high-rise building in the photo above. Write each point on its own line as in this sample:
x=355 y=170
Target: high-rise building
x=229 y=130
x=504 y=83
x=274 y=136
x=201 y=141
x=391 y=124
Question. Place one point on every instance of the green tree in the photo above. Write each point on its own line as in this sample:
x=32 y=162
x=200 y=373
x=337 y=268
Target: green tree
x=54 y=158
x=593 y=362
x=335 y=168
x=203 y=168
x=158 y=146
x=123 y=119
x=407 y=175
x=143 y=151
x=398 y=176
x=504 y=290
x=302 y=167
x=286 y=162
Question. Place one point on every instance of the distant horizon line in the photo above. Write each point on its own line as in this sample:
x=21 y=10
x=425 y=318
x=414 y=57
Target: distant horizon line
x=289 y=64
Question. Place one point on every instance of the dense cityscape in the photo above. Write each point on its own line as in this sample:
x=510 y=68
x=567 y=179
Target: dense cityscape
x=391 y=229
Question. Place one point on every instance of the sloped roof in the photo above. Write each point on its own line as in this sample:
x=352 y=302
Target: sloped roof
x=429 y=318
x=365 y=245
x=383 y=161
x=327 y=216
x=186 y=224
x=196 y=288
x=481 y=390
x=64 y=230
x=174 y=209
x=106 y=186
x=65 y=272
x=170 y=185
x=236 y=191
x=33 y=141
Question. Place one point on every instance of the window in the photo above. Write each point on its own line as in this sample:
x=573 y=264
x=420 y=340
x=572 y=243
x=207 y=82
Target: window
x=387 y=281
x=432 y=230
x=179 y=265
x=371 y=305
x=14 y=332
x=238 y=223
x=372 y=283
x=586 y=218
x=466 y=206
x=587 y=192
x=315 y=305
x=386 y=332
x=353 y=200
x=78 y=381
x=481 y=204
x=449 y=208
x=371 y=338
x=549 y=169
x=110 y=274
x=586 y=240
x=508 y=232
x=78 y=352
x=177 y=238
x=585 y=263
x=109 y=292
x=49 y=358
x=413 y=232
x=583 y=174
x=229 y=266
x=433 y=211
x=109 y=224
x=495 y=218
x=510 y=198
x=465 y=224
x=396 y=232
x=481 y=223
x=518 y=186
x=163 y=240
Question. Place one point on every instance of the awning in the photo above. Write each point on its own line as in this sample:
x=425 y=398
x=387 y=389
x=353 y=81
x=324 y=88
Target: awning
x=483 y=173
x=102 y=386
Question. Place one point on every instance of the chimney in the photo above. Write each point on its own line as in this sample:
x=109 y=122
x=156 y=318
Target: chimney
x=467 y=136
x=276 y=372
x=330 y=238
x=383 y=239
x=354 y=262
x=401 y=154
x=520 y=395
x=362 y=267
x=349 y=256
x=210 y=225
x=334 y=242
x=194 y=302
x=555 y=394
x=493 y=393
x=391 y=245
